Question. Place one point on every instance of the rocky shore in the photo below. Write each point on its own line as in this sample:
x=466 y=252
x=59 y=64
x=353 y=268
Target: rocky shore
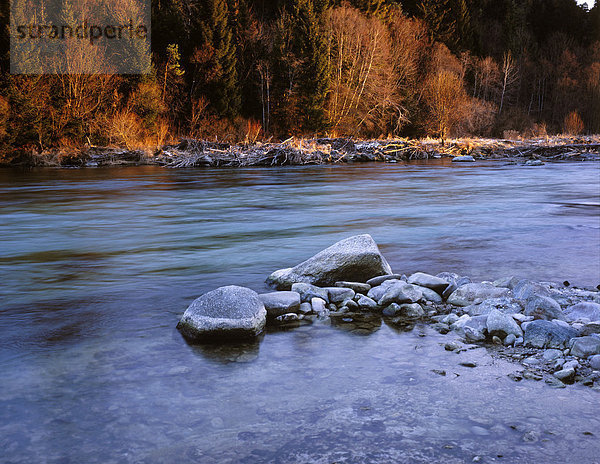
x=552 y=330
x=298 y=151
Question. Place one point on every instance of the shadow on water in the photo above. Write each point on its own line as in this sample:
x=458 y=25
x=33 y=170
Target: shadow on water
x=230 y=352
x=362 y=324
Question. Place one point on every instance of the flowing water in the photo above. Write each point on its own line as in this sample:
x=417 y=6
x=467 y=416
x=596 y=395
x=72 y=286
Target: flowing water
x=97 y=265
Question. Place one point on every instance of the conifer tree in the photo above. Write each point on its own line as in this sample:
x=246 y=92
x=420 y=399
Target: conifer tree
x=222 y=84
x=311 y=45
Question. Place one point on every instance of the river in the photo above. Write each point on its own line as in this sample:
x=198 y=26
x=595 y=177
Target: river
x=97 y=265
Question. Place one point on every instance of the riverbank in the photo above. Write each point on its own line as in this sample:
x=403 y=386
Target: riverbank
x=196 y=153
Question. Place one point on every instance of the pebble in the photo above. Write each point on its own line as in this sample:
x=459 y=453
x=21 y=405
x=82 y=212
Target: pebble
x=453 y=346
x=468 y=364
x=510 y=340
x=595 y=362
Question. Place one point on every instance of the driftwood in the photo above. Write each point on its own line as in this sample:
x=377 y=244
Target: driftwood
x=293 y=151
x=193 y=153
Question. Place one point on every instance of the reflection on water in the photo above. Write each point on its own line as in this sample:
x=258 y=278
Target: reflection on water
x=97 y=265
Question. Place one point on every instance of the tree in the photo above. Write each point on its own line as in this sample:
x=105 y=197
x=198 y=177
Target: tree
x=218 y=59
x=509 y=77
x=310 y=43
x=446 y=98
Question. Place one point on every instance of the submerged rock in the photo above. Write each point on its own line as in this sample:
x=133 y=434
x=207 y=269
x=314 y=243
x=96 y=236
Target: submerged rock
x=469 y=293
x=546 y=334
x=229 y=312
x=355 y=258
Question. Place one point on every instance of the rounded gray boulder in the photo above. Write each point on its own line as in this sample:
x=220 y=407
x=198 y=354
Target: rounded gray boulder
x=227 y=313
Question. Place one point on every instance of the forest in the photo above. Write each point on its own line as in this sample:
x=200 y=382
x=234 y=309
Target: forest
x=248 y=70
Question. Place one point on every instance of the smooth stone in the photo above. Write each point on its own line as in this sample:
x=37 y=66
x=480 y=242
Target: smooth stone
x=501 y=324
x=463 y=159
x=453 y=346
x=504 y=305
x=552 y=354
x=460 y=322
x=478 y=323
x=585 y=309
x=413 y=310
x=546 y=334
x=534 y=163
x=543 y=307
x=392 y=310
x=449 y=319
x=308 y=291
x=339 y=294
x=429 y=294
x=305 y=308
x=355 y=258
x=525 y=289
x=376 y=281
x=591 y=328
x=351 y=304
x=358 y=287
x=429 y=281
x=464 y=280
x=510 y=340
x=278 y=303
x=449 y=290
x=473 y=335
x=522 y=317
x=468 y=294
x=565 y=374
x=519 y=341
x=595 y=362
x=287 y=318
x=400 y=293
x=364 y=302
x=507 y=282
x=583 y=347
x=573 y=364
x=378 y=291
x=496 y=340
x=318 y=306
x=230 y=312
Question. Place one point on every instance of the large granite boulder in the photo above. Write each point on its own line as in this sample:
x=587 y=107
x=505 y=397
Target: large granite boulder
x=546 y=334
x=227 y=313
x=355 y=258
x=468 y=294
x=280 y=303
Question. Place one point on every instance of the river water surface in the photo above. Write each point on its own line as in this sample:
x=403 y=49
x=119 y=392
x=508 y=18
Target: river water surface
x=97 y=265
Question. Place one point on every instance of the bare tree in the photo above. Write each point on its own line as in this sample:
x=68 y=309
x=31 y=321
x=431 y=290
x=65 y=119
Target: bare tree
x=509 y=77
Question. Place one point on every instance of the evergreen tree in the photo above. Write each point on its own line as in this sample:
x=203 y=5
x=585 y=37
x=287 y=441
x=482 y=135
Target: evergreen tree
x=221 y=85
x=310 y=44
